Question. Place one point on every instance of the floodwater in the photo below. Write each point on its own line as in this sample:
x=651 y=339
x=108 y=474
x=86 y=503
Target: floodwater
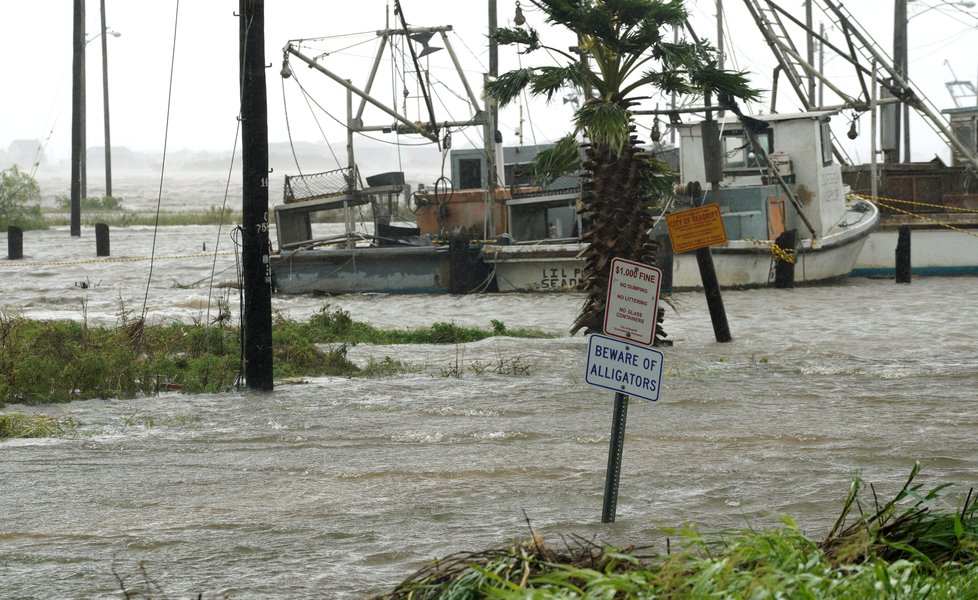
x=338 y=488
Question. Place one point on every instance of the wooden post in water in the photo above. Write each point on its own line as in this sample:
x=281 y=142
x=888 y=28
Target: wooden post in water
x=15 y=242
x=903 y=266
x=784 y=271
x=615 y=450
x=665 y=261
x=257 y=324
x=704 y=259
x=101 y=239
x=77 y=118
x=458 y=259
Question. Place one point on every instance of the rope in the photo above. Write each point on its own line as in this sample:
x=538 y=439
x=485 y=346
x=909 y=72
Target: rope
x=166 y=136
x=886 y=204
x=782 y=254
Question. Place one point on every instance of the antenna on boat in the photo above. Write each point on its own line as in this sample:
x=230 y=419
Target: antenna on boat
x=417 y=66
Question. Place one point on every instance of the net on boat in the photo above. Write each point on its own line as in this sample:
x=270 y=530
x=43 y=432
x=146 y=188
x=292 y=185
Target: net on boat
x=300 y=188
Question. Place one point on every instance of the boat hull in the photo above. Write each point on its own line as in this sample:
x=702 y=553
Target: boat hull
x=396 y=270
x=738 y=263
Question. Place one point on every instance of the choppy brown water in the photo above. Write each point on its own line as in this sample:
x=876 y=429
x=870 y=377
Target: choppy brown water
x=341 y=487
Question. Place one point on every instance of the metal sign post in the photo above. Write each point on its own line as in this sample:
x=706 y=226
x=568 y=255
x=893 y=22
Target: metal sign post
x=628 y=365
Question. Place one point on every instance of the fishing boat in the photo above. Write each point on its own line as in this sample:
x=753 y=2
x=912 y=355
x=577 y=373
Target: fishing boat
x=781 y=178
x=374 y=253
x=935 y=204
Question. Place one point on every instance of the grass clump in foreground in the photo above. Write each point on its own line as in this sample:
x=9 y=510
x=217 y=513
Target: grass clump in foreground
x=59 y=361
x=905 y=548
x=19 y=425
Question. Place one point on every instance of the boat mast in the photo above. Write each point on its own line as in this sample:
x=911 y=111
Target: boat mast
x=257 y=326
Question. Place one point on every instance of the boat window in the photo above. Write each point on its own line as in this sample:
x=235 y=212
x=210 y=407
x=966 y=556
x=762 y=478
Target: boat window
x=826 y=141
x=469 y=173
x=737 y=152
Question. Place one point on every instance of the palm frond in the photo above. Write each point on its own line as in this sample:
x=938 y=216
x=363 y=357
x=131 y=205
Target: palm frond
x=711 y=78
x=508 y=86
x=528 y=37
x=605 y=124
x=549 y=80
x=564 y=158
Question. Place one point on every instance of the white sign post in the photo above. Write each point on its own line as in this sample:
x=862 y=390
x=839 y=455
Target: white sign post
x=632 y=308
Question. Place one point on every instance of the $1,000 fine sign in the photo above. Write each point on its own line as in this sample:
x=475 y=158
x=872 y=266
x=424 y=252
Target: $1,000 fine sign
x=633 y=301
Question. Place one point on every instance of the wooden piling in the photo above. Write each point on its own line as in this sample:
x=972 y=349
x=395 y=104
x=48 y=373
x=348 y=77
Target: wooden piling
x=903 y=266
x=714 y=300
x=15 y=242
x=458 y=252
x=101 y=239
x=784 y=270
x=665 y=261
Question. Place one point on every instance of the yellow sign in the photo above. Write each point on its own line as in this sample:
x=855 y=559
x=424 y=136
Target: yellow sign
x=696 y=228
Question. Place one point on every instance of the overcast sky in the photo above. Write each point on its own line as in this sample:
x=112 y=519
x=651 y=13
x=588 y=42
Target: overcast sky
x=35 y=41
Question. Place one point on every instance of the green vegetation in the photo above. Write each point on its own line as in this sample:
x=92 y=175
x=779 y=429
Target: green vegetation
x=18 y=425
x=125 y=218
x=60 y=361
x=336 y=326
x=909 y=547
x=20 y=197
x=92 y=203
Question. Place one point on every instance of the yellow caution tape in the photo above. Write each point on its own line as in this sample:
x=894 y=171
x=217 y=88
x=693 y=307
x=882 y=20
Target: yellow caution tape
x=109 y=260
x=885 y=203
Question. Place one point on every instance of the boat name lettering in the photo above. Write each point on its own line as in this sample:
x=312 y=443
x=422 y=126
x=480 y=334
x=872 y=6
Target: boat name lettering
x=556 y=278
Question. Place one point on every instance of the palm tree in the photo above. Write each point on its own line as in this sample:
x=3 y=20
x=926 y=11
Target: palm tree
x=625 y=41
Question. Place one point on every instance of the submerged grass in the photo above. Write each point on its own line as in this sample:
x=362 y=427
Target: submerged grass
x=18 y=425
x=127 y=218
x=60 y=361
x=896 y=550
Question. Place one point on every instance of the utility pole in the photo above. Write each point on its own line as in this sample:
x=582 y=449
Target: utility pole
x=105 y=102
x=810 y=47
x=901 y=111
x=492 y=117
x=257 y=324
x=77 y=116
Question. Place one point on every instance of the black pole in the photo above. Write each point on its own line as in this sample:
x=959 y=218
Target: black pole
x=15 y=242
x=257 y=324
x=784 y=271
x=666 y=262
x=704 y=258
x=77 y=115
x=616 y=448
x=903 y=266
x=714 y=301
x=105 y=104
x=101 y=239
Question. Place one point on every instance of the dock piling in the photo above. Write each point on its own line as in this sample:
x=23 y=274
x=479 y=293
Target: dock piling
x=101 y=239
x=15 y=242
x=784 y=271
x=903 y=267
